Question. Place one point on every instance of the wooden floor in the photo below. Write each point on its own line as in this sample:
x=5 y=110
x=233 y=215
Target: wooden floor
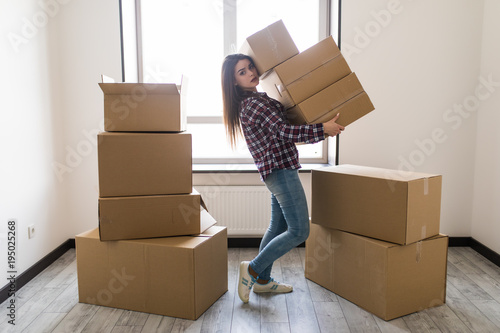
x=48 y=303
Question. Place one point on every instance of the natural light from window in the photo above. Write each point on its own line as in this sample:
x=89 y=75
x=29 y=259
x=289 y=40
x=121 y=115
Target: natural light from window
x=187 y=38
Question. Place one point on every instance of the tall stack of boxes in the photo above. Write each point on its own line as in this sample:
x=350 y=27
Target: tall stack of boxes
x=375 y=238
x=313 y=85
x=156 y=249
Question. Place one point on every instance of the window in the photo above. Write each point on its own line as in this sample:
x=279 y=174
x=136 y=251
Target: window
x=189 y=39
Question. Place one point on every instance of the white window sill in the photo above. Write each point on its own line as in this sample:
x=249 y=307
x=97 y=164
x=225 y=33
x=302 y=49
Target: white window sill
x=245 y=168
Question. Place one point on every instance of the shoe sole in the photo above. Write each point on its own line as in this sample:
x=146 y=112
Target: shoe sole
x=272 y=291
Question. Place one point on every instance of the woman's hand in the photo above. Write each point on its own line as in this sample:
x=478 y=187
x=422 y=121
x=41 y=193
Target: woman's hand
x=331 y=128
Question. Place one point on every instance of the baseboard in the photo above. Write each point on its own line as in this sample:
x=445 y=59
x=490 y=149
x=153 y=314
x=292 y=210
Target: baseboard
x=46 y=261
x=485 y=251
x=255 y=242
x=37 y=268
x=459 y=241
x=248 y=242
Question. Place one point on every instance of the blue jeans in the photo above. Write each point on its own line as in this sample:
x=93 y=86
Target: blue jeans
x=289 y=224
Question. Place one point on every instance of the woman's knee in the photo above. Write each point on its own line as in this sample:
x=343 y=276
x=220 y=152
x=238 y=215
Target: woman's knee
x=300 y=234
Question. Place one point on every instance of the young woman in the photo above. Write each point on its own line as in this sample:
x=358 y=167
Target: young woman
x=271 y=141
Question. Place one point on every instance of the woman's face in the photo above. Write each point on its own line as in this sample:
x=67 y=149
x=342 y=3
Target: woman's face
x=246 y=75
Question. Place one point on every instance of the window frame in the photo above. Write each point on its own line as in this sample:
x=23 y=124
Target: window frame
x=130 y=14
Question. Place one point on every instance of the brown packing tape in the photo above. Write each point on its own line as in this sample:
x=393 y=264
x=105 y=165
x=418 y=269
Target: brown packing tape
x=271 y=41
x=423 y=233
x=280 y=89
x=426 y=186
x=418 y=256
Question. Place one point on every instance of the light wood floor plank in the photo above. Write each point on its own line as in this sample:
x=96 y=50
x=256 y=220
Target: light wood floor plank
x=275 y=328
x=330 y=317
x=158 y=324
x=246 y=317
x=218 y=317
x=44 y=323
x=103 y=321
x=464 y=284
x=468 y=313
x=188 y=326
x=488 y=284
x=32 y=308
x=491 y=309
x=76 y=320
x=132 y=318
x=446 y=320
x=320 y=294
x=40 y=281
x=64 y=278
x=397 y=325
x=464 y=264
x=302 y=253
x=273 y=306
x=301 y=315
x=420 y=322
x=358 y=319
x=481 y=262
x=65 y=301
x=127 y=329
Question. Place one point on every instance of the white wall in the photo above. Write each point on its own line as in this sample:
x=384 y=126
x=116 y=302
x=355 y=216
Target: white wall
x=486 y=208
x=51 y=60
x=417 y=60
x=89 y=45
x=31 y=133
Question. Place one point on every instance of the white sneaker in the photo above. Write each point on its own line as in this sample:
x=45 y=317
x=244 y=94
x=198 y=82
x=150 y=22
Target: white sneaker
x=245 y=282
x=272 y=287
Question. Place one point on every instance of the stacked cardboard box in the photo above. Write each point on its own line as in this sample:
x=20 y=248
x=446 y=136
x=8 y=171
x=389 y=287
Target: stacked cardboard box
x=131 y=260
x=375 y=238
x=314 y=85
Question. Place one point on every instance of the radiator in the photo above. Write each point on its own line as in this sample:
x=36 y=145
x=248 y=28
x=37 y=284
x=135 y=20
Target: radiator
x=244 y=210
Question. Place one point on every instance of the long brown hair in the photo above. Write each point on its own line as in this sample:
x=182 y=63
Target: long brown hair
x=231 y=97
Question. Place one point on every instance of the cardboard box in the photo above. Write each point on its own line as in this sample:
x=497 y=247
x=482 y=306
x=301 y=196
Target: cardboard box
x=174 y=276
x=386 y=279
x=345 y=96
x=305 y=74
x=391 y=205
x=143 y=107
x=152 y=216
x=269 y=47
x=132 y=164
x=350 y=111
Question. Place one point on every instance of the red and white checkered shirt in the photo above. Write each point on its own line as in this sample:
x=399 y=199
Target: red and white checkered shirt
x=269 y=136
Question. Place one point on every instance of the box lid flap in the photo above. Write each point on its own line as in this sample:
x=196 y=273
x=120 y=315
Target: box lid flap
x=93 y=234
x=177 y=241
x=139 y=89
x=394 y=175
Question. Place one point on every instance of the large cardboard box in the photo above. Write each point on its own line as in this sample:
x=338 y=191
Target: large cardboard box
x=391 y=205
x=143 y=107
x=132 y=164
x=386 y=279
x=269 y=47
x=174 y=276
x=305 y=74
x=345 y=96
x=152 y=216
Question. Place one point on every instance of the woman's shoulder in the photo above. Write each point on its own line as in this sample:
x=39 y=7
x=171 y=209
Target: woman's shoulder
x=257 y=99
x=254 y=96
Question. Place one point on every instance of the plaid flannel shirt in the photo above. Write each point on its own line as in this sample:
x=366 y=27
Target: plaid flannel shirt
x=269 y=137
